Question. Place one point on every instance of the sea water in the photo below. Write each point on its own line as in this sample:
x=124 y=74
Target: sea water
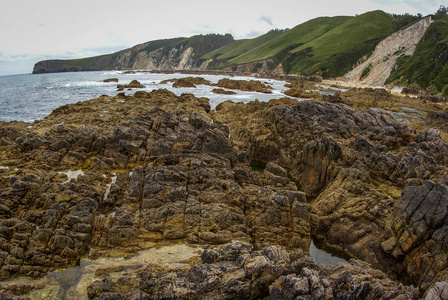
x=32 y=97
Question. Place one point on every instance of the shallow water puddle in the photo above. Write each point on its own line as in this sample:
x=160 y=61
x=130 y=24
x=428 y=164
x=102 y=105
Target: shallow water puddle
x=72 y=174
x=72 y=283
x=323 y=258
x=406 y=114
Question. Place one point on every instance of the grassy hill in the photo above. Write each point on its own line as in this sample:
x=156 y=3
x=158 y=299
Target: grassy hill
x=298 y=35
x=428 y=67
x=124 y=59
x=240 y=47
x=336 y=51
x=327 y=46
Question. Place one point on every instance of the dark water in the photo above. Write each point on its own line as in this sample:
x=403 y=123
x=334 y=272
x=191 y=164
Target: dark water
x=323 y=258
x=32 y=97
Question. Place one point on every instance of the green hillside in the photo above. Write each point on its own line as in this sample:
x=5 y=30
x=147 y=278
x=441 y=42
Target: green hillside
x=240 y=47
x=124 y=59
x=298 y=35
x=428 y=67
x=328 y=46
x=335 y=52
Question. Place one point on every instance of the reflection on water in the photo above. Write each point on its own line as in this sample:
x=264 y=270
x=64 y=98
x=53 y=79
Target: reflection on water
x=323 y=258
x=406 y=114
x=72 y=283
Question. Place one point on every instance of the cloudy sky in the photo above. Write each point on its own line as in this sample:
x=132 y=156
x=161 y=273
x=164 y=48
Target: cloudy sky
x=34 y=30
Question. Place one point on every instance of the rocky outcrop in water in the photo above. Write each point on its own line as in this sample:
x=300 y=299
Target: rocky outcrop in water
x=134 y=84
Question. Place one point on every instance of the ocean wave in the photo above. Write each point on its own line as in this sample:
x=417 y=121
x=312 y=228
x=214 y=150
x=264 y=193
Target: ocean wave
x=93 y=83
x=241 y=96
x=113 y=73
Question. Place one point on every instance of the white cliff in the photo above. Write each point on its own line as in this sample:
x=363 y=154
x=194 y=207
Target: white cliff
x=383 y=60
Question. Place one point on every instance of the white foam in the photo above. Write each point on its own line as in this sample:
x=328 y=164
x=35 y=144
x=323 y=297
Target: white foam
x=113 y=73
x=4 y=168
x=242 y=96
x=94 y=83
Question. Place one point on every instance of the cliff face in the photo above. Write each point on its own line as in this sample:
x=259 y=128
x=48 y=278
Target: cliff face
x=377 y=68
x=171 y=54
x=178 y=58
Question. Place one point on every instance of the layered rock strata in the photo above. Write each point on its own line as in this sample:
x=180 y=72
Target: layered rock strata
x=235 y=271
x=154 y=168
x=126 y=173
x=355 y=165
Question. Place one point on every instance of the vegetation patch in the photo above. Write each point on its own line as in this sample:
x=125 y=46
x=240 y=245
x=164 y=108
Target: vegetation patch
x=428 y=66
x=366 y=72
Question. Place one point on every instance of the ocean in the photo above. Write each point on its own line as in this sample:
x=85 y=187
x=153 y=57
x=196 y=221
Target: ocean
x=32 y=97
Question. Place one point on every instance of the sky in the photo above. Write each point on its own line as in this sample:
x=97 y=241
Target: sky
x=34 y=30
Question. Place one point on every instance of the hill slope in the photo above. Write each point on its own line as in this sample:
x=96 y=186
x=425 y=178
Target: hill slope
x=326 y=46
x=377 y=68
x=240 y=47
x=168 y=54
x=428 y=66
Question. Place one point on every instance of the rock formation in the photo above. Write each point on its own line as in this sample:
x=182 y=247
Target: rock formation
x=236 y=271
x=169 y=54
x=354 y=164
x=251 y=183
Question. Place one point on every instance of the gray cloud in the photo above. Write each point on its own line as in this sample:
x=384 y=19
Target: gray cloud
x=267 y=20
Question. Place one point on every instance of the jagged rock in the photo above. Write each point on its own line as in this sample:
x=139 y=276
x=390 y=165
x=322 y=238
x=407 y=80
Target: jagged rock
x=110 y=80
x=419 y=225
x=134 y=84
x=234 y=270
x=156 y=167
x=438 y=292
x=186 y=82
x=223 y=91
x=178 y=179
x=244 y=85
x=347 y=159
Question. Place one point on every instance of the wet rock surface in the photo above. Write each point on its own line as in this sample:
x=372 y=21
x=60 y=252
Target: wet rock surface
x=252 y=183
x=236 y=271
x=134 y=84
x=187 y=82
x=244 y=85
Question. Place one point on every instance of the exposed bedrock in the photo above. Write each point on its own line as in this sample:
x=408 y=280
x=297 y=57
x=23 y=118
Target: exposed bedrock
x=236 y=271
x=125 y=173
x=353 y=165
x=163 y=174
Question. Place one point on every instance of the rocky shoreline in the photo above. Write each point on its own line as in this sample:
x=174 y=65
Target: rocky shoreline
x=251 y=184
